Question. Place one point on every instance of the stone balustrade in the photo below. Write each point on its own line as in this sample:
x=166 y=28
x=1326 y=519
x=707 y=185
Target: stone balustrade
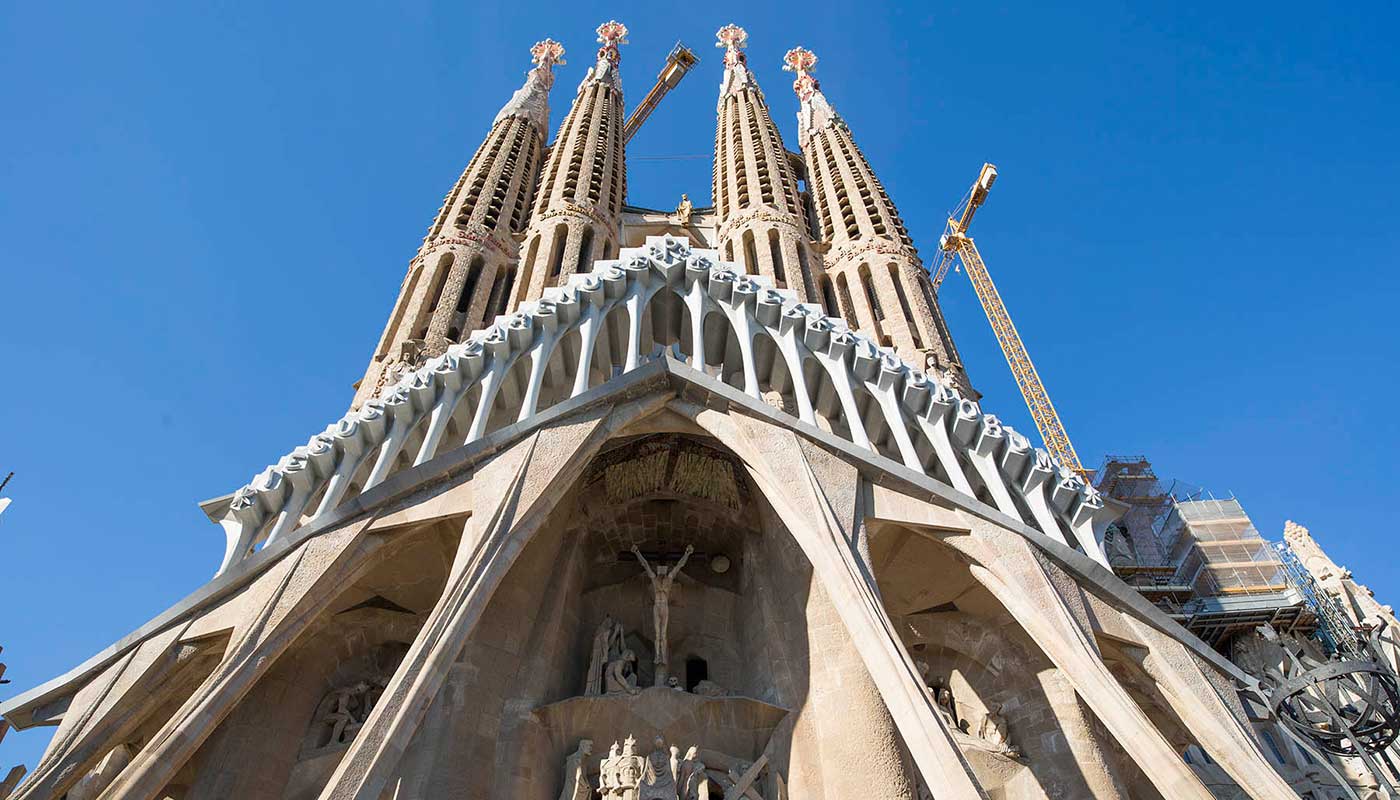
x=668 y=298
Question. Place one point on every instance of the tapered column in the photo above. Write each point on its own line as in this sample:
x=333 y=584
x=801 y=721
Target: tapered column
x=467 y=265
x=1008 y=567
x=813 y=493
x=873 y=274
x=577 y=210
x=757 y=205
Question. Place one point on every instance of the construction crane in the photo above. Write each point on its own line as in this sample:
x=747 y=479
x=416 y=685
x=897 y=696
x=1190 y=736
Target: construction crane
x=678 y=63
x=955 y=244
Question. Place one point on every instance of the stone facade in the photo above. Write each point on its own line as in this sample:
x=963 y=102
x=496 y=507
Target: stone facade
x=665 y=531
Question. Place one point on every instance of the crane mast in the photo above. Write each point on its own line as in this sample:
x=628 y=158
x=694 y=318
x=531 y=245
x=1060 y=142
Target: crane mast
x=956 y=243
x=678 y=63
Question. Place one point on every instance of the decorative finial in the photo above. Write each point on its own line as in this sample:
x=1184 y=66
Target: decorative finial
x=802 y=61
x=611 y=34
x=547 y=53
x=733 y=39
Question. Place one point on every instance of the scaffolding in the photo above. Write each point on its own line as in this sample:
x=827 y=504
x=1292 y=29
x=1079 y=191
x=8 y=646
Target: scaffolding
x=1197 y=557
x=1334 y=627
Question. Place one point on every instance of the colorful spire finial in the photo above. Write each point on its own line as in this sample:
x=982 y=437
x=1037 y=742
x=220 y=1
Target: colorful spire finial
x=802 y=61
x=611 y=34
x=733 y=39
x=547 y=53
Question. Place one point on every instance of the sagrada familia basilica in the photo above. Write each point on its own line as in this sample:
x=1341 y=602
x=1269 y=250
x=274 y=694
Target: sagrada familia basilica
x=646 y=505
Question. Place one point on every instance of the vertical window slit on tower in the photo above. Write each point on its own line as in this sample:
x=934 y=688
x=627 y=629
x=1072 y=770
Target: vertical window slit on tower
x=828 y=297
x=585 y=251
x=561 y=234
x=843 y=292
x=528 y=265
x=505 y=281
x=444 y=266
x=750 y=254
x=905 y=308
x=775 y=251
x=870 y=296
x=464 y=300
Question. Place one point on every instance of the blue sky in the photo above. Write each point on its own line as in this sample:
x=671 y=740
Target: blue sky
x=208 y=207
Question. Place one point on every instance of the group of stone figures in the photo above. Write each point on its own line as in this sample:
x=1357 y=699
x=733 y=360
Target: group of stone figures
x=664 y=774
x=612 y=666
x=991 y=727
x=342 y=713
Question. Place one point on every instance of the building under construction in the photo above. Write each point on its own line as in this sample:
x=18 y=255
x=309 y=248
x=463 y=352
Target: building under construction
x=1198 y=558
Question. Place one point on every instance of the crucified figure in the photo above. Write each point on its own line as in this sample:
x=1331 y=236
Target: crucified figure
x=663 y=579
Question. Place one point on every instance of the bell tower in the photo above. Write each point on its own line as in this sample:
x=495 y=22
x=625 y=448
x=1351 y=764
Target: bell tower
x=757 y=205
x=576 y=219
x=874 y=278
x=462 y=274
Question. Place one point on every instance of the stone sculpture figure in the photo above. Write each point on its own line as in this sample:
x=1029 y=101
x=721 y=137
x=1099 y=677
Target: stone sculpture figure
x=628 y=770
x=576 y=783
x=943 y=699
x=659 y=779
x=693 y=782
x=993 y=730
x=663 y=580
x=621 y=675
x=607 y=771
x=708 y=688
x=684 y=209
x=607 y=644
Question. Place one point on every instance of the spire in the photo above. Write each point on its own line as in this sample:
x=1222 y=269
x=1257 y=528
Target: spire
x=736 y=67
x=531 y=101
x=610 y=34
x=815 y=113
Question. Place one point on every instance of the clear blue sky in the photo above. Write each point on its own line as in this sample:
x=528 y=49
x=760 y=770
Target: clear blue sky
x=208 y=207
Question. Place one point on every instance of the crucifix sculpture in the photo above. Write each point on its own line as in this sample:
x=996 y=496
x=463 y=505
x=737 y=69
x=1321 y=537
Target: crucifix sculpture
x=663 y=579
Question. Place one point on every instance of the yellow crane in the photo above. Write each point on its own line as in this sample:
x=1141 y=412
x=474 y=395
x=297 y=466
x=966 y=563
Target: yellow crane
x=678 y=63
x=955 y=244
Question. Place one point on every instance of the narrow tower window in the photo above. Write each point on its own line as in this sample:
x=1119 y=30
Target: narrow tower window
x=585 y=251
x=904 y=307
x=870 y=297
x=506 y=280
x=848 y=309
x=750 y=254
x=561 y=234
x=775 y=250
x=829 y=298
x=464 y=300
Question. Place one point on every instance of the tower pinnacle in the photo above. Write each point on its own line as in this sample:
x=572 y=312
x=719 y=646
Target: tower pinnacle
x=531 y=101
x=610 y=34
x=547 y=53
x=736 y=69
x=816 y=113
